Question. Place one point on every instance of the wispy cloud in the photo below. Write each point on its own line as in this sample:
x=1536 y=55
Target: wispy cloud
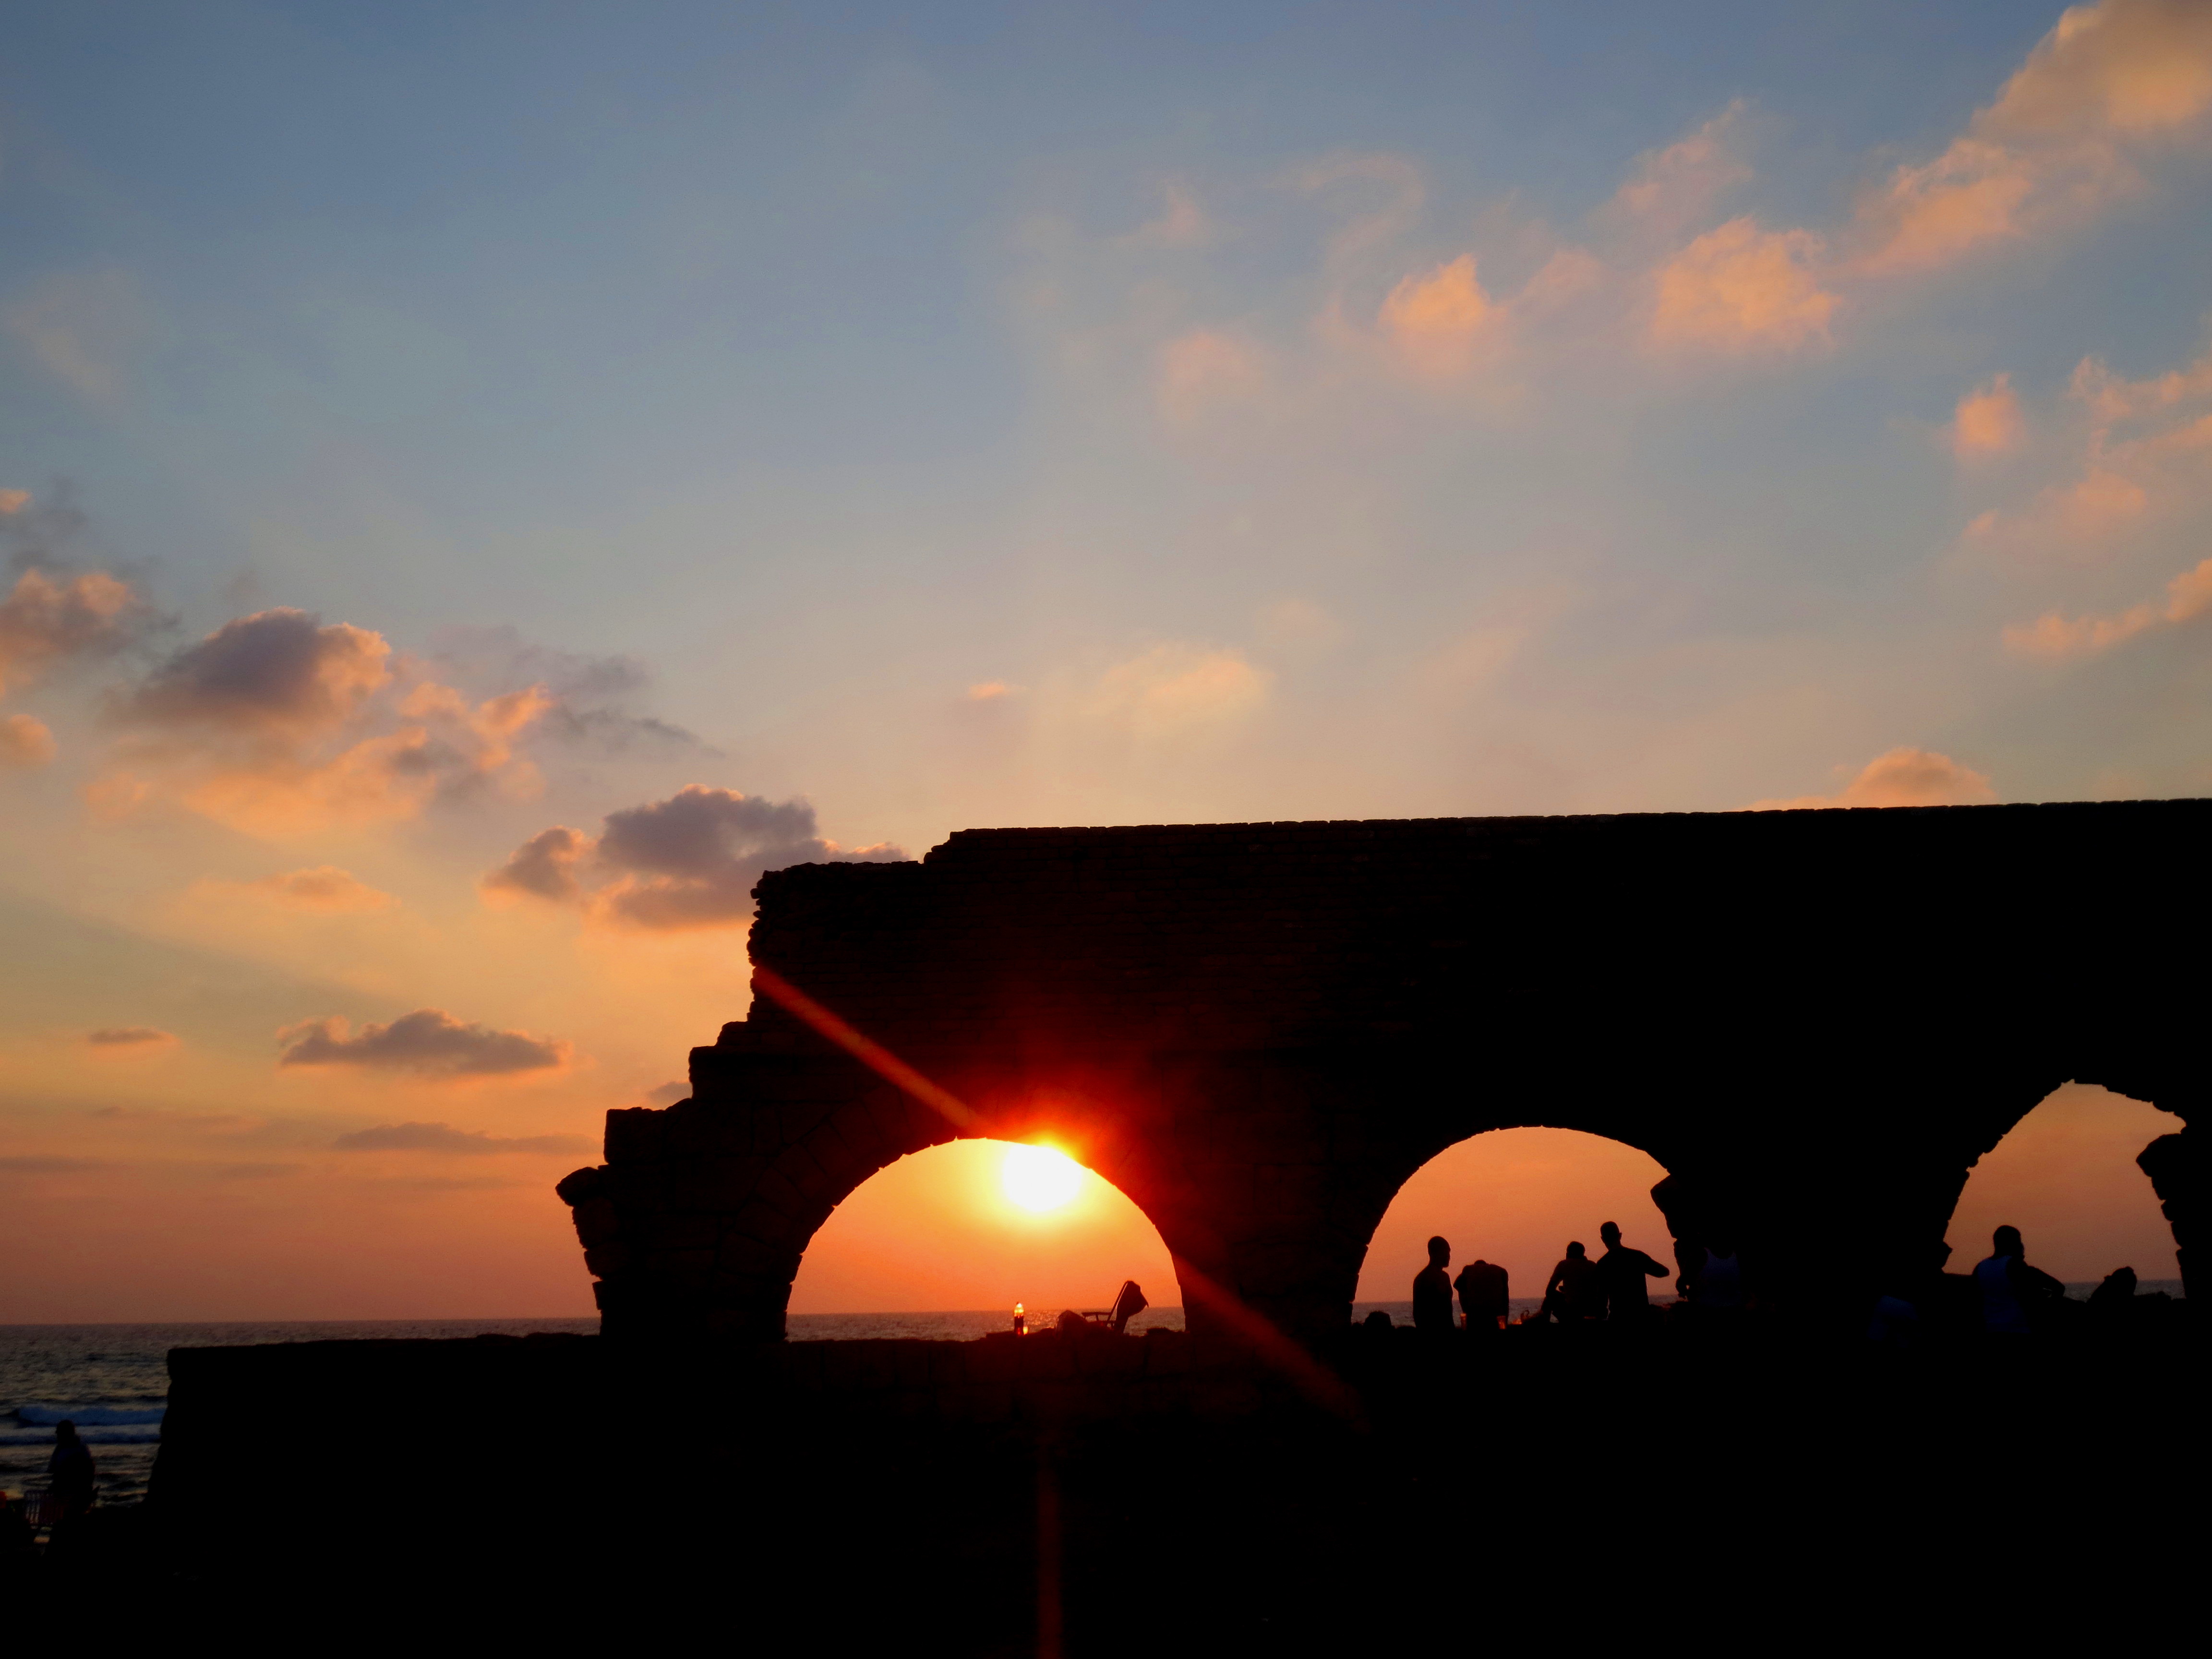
x=2188 y=597
x=444 y=1139
x=129 y=1036
x=428 y=1041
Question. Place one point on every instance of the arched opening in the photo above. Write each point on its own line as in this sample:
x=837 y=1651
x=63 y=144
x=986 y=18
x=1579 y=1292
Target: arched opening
x=1515 y=1197
x=944 y=1242
x=2066 y=1176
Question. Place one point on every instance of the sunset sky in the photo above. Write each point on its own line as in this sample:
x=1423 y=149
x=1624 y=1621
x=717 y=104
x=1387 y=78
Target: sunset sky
x=482 y=483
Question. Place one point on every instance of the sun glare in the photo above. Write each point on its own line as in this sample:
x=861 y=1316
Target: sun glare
x=1039 y=1178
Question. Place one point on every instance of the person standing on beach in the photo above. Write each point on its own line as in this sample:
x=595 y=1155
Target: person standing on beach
x=1432 y=1292
x=71 y=1470
x=1621 y=1271
x=2011 y=1290
x=1570 y=1294
x=1483 y=1295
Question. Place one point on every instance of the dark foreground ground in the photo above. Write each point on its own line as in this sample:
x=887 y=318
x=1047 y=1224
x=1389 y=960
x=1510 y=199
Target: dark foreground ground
x=1099 y=1495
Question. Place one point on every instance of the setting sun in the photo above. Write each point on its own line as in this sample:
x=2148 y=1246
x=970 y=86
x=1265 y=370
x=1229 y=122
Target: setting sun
x=1039 y=1178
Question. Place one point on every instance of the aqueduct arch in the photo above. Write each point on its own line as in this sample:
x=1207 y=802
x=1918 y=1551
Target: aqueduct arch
x=1816 y=1021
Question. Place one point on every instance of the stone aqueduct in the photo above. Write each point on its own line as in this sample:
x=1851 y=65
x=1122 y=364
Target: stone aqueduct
x=1816 y=1021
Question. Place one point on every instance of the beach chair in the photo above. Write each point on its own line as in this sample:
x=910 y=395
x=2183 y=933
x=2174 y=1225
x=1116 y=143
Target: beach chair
x=1128 y=1302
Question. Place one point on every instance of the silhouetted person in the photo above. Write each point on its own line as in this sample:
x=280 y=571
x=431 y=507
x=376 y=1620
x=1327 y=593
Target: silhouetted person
x=1377 y=1322
x=2012 y=1291
x=2116 y=1296
x=1621 y=1271
x=71 y=1471
x=1483 y=1295
x=1572 y=1293
x=1432 y=1292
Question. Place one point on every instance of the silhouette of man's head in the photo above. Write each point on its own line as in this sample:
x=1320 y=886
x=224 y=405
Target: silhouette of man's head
x=1439 y=1252
x=1611 y=1234
x=2006 y=1241
x=1575 y=1250
x=65 y=1433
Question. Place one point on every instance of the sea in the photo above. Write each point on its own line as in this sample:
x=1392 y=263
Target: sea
x=113 y=1381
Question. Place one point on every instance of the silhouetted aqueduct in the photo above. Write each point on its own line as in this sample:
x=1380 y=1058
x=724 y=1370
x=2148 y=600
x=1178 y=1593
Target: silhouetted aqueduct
x=1816 y=1021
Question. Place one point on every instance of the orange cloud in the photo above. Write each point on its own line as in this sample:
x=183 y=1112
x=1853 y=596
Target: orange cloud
x=1741 y=288
x=25 y=742
x=1174 y=689
x=1675 y=186
x=2142 y=456
x=2188 y=596
x=47 y=618
x=1988 y=422
x=2063 y=139
x=278 y=670
x=13 y=502
x=1903 y=777
x=1204 y=368
x=324 y=891
x=267 y=724
x=1435 y=320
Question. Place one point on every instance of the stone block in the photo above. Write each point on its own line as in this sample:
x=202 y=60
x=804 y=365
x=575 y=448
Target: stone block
x=580 y=1185
x=597 y=1222
x=736 y=1255
x=635 y=1133
x=690 y=1130
x=672 y=1230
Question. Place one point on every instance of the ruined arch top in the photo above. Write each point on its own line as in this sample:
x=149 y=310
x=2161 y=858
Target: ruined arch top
x=1815 y=1020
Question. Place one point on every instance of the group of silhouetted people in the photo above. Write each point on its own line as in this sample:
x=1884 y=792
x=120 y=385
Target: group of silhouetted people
x=1612 y=1288
x=2008 y=1296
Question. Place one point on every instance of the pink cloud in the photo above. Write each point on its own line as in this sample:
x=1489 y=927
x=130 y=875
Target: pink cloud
x=25 y=742
x=1204 y=368
x=1741 y=288
x=2188 y=597
x=1902 y=777
x=1675 y=187
x=2063 y=138
x=1436 y=318
x=1988 y=422
x=48 y=618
